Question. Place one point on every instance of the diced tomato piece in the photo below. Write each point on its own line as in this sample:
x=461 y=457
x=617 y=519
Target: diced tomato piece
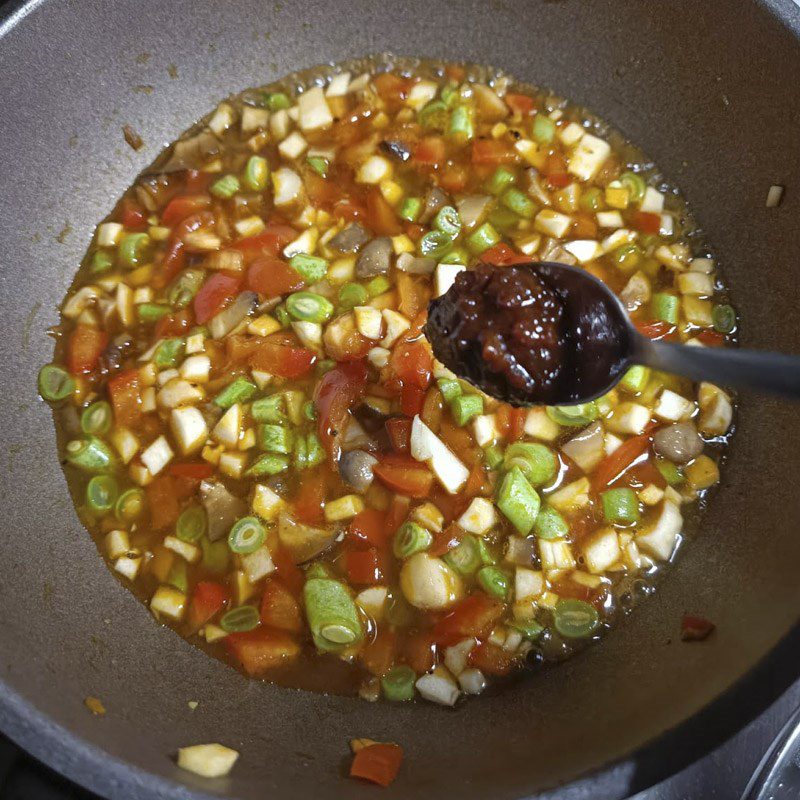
x=614 y=465
x=396 y=514
x=310 y=498
x=476 y=483
x=378 y=763
x=262 y=649
x=696 y=629
x=132 y=215
x=657 y=331
x=364 y=566
x=501 y=255
x=215 y=294
x=405 y=475
x=337 y=391
x=430 y=150
x=558 y=180
x=646 y=221
x=175 y=257
x=123 y=391
x=86 y=345
x=191 y=470
x=182 y=206
x=369 y=526
x=412 y=363
x=399 y=430
x=411 y=400
x=475 y=615
x=279 y=608
x=492 y=151
x=292 y=577
x=491 y=659
x=381 y=217
x=273 y=277
x=162 y=501
x=444 y=541
x=413 y=294
x=419 y=651
x=175 y=324
x=269 y=242
x=711 y=338
x=378 y=656
x=283 y=360
x=521 y=103
x=208 y=599
x=390 y=86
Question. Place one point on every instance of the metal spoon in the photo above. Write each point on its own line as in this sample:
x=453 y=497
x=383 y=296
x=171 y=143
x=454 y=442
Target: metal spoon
x=607 y=343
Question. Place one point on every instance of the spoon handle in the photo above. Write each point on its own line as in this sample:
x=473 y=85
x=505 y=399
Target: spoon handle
x=744 y=369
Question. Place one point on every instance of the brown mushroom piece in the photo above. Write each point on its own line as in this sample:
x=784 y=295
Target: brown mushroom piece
x=375 y=258
x=350 y=239
x=679 y=442
x=355 y=468
x=434 y=200
x=303 y=542
x=222 y=508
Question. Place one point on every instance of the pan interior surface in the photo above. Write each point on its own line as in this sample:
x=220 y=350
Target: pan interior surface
x=72 y=77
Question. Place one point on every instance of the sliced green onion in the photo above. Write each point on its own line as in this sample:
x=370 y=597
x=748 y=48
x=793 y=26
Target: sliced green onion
x=636 y=378
x=493 y=456
x=591 y=199
x=169 y=352
x=465 y=557
x=178 y=576
x=620 y=505
x=268 y=464
x=518 y=202
x=543 y=130
x=723 y=318
x=315 y=454
x=410 y=539
x=410 y=208
x=101 y=262
x=185 y=287
x=502 y=218
x=101 y=493
x=318 y=164
x=309 y=307
x=447 y=221
x=537 y=461
x=240 y=619
x=435 y=243
x=550 y=524
x=449 y=94
x=152 y=312
x=455 y=255
x=378 y=285
x=318 y=569
x=485 y=553
x=398 y=684
x=282 y=315
x=256 y=174
x=191 y=524
x=634 y=184
x=576 y=416
x=324 y=365
x=494 y=582
x=518 y=501
x=466 y=406
x=450 y=388
x=130 y=505
x=237 y=391
x=332 y=615
x=627 y=256
x=269 y=409
x=300 y=454
x=226 y=187
x=134 y=249
x=246 y=536
x=309 y=411
x=276 y=101
x=312 y=268
x=575 y=619
x=352 y=295
x=274 y=438
x=96 y=419
x=501 y=180
x=461 y=125
x=529 y=628
x=671 y=473
x=433 y=116
x=216 y=555
x=55 y=383
x=90 y=455
x=483 y=238
x=665 y=307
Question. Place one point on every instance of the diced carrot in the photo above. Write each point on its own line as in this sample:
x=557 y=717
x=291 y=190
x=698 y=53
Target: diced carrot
x=182 y=206
x=454 y=177
x=411 y=400
x=262 y=649
x=378 y=763
x=267 y=243
x=583 y=225
x=430 y=151
x=283 y=360
x=711 y=338
x=132 y=215
x=695 y=629
x=492 y=151
x=292 y=577
x=502 y=255
x=412 y=363
x=446 y=540
x=279 y=608
x=390 y=86
x=413 y=294
x=191 y=470
x=558 y=180
x=657 y=331
x=381 y=217
x=612 y=466
x=396 y=514
x=175 y=324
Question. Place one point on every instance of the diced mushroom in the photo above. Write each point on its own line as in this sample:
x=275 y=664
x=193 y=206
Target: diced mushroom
x=191 y=153
x=375 y=258
x=222 y=508
x=396 y=149
x=472 y=208
x=355 y=467
x=434 y=200
x=350 y=239
x=227 y=319
x=302 y=541
x=522 y=551
x=416 y=265
x=679 y=442
x=586 y=449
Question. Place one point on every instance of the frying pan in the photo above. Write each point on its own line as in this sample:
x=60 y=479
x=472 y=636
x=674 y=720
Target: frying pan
x=709 y=90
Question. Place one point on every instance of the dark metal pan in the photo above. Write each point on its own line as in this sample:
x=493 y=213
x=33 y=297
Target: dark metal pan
x=709 y=90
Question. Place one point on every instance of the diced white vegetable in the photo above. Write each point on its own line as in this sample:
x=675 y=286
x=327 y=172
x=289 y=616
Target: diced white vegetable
x=374 y=170
x=128 y=566
x=195 y=343
x=479 y=518
x=696 y=283
x=314 y=110
x=309 y=333
x=445 y=277
x=222 y=118
x=472 y=681
x=208 y=760
x=601 y=550
x=653 y=201
x=555 y=554
x=438 y=687
x=266 y=503
x=528 y=583
x=254 y=119
x=167 y=375
x=258 y=565
x=196 y=369
x=667 y=226
x=774 y=196
x=396 y=326
x=552 y=223
x=672 y=407
x=170 y=602
x=616 y=239
x=586 y=449
x=338 y=85
x=427 y=446
x=306 y=242
x=716 y=415
x=249 y=226
x=659 y=539
x=243 y=588
x=229 y=427
x=457 y=656
x=373 y=601
x=705 y=265
x=588 y=157
x=583 y=249
x=651 y=495
x=279 y=124
x=484 y=429
x=698 y=312
x=176 y=392
x=609 y=219
x=531 y=152
x=286 y=186
x=571 y=497
x=343 y=508
x=186 y=550
x=109 y=234
x=139 y=474
x=538 y=425
x=233 y=464
x=429 y=583
x=124 y=303
x=125 y=443
x=144 y=294
x=571 y=134
x=636 y=291
x=611 y=443
x=513 y=641
x=157 y=455
x=117 y=544
x=429 y=516
x=263 y=325
x=78 y=302
x=669 y=258
x=293 y=146
x=529 y=244
x=148 y=400
x=369 y=321
x=189 y=428
x=378 y=357
x=629 y=418
x=421 y=93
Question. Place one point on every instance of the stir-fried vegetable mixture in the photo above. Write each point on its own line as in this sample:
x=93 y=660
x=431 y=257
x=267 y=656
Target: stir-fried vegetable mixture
x=265 y=448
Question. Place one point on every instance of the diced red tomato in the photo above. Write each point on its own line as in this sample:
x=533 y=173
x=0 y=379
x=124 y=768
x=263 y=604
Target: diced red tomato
x=475 y=615
x=174 y=324
x=696 y=629
x=369 y=526
x=493 y=151
x=510 y=422
x=208 y=599
x=491 y=659
x=444 y=541
x=86 y=345
x=132 y=215
x=123 y=391
x=411 y=400
x=381 y=217
x=310 y=498
x=521 y=103
x=558 y=180
x=501 y=255
x=182 y=206
x=413 y=294
x=337 y=391
x=399 y=430
x=396 y=513
x=279 y=608
x=711 y=338
x=378 y=656
x=414 y=231
x=175 y=257
x=215 y=294
x=431 y=150
x=364 y=566
x=646 y=221
x=269 y=242
x=657 y=331
x=419 y=651
x=405 y=475
x=292 y=577
x=191 y=470
x=321 y=193
x=273 y=277
x=162 y=501
x=262 y=649
x=412 y=363
x=285 y=361
x=476 y=483
x=391 y=86
x=612 y=466
x=378 y=763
